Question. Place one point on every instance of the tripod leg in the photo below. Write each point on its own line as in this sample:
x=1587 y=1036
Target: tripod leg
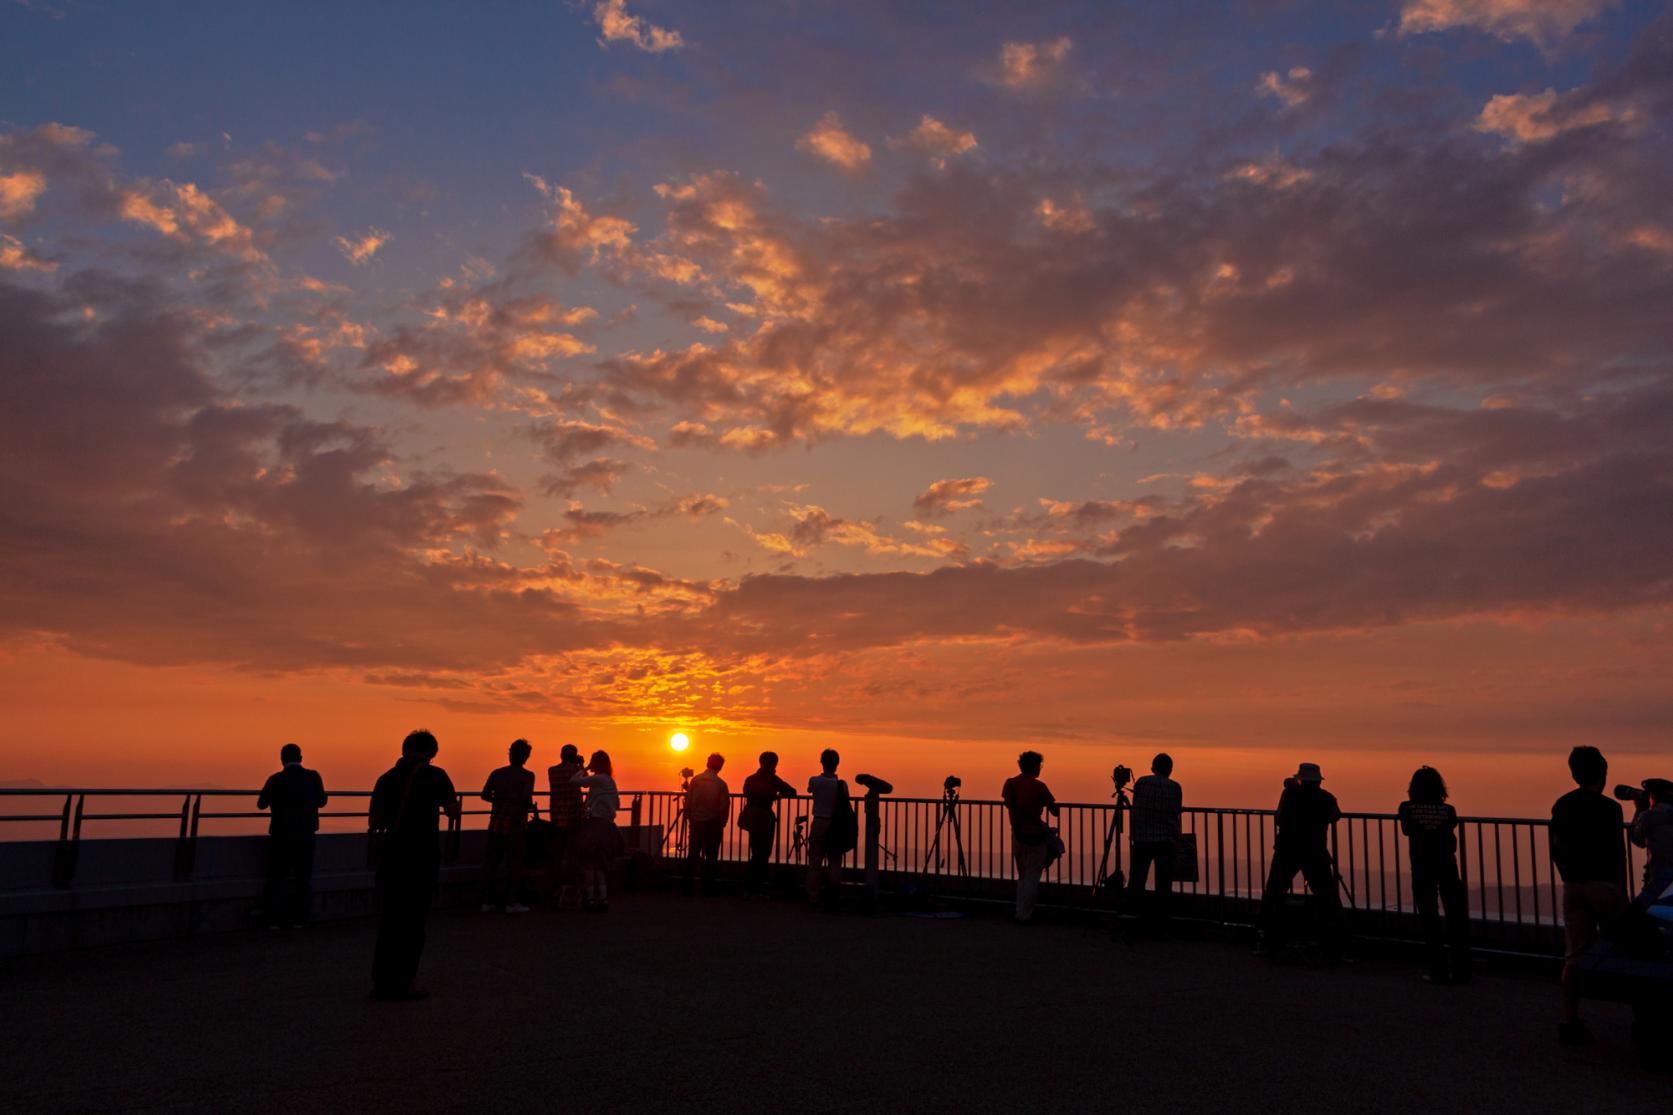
x=958 y=840
x=935 y=842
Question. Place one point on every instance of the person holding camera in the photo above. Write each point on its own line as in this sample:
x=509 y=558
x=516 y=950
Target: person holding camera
x=568 y=814
x=1306 y=813
x=1652 y=830
x=708 y=806
x=1158 y=802
x=759 y=819
x=1431 y=827
x=1027 y=799
x=1586 y=845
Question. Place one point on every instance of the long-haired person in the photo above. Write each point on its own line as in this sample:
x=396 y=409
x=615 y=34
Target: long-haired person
x=601 y=841
x=1431 y=828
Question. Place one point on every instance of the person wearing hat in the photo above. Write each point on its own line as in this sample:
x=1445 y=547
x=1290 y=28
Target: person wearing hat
x=567 y=813
x=1652 y=830
x=1306 y=812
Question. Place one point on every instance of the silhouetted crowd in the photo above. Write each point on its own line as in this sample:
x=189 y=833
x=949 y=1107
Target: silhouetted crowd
x=578 y=843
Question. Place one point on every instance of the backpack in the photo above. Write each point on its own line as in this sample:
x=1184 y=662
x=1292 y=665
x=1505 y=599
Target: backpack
x=843 y=834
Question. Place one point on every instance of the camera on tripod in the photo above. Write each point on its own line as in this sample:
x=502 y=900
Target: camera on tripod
x=1121 y=775
x=950 y=784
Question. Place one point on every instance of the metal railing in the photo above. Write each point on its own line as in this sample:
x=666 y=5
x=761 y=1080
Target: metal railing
x=1510 y=879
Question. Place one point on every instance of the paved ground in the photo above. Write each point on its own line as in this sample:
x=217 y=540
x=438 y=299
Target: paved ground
x=667 y=1003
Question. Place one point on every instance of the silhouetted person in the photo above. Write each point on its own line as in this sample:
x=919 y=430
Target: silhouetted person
x=1306 y=812
x=601 y=841
x=406 y=803
x=510 y=790
x=824 y=854
x=759 y=818
x=295 y=795
x=1431 y=828
x=1652 y=830
x=1586 y=845
x=708 y=806
x=569 y=816
x=1157 y=805
x=1027 y=799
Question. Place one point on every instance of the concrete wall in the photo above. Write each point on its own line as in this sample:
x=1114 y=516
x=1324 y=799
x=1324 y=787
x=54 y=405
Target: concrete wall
x=144 y=889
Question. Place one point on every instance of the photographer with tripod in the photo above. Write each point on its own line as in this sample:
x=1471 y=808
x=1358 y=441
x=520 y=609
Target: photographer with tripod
x=1026 y=800
x=1652 y=830
x=1306 y=813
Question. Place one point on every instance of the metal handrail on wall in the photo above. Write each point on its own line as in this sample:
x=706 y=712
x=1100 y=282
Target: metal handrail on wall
x=1510 y=879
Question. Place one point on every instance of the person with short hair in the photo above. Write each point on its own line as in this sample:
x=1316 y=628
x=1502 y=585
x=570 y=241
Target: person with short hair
x=510 y=791
x=1158 y=804
x=1027 y=800
x=708 y=806
x=1586 y=830
x=1431 y=827
x=568 y=812
x=295 y=795
x=759 y=818
x=824 y=854
x=601 y=840
x=1301 y=844
x=402 y=817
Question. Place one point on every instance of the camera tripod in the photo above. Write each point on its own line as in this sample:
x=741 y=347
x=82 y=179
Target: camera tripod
x=1117 y=826
x=947 y=819
x=678 y=821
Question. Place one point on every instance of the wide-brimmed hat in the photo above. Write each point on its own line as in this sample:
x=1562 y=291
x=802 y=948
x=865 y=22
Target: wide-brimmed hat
x=1309 y=772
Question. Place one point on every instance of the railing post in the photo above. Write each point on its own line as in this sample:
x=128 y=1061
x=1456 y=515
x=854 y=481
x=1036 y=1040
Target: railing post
x=184 y=845
x=455 y=825
x=69 y=838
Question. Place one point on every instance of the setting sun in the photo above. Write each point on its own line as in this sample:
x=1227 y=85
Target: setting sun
x=679 y=741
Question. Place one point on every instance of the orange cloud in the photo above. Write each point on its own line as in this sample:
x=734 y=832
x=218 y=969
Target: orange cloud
x=18 y=192
x=1541 y=21
x=1025 y=65
x=615 y=25
x=361 y=249
x=830 y=141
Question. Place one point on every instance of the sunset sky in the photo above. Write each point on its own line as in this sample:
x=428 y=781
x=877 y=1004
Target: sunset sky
x=1258 y=382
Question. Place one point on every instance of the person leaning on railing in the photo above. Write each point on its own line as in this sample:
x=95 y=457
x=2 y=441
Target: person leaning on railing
x=510 y=792
x=758 y=818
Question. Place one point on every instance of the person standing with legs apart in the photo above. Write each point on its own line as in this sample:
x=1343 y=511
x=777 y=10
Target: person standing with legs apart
x=406 y=802
x=824 y=861
x=1431 y=828
x=1306 y=812
x=510 y=790
x=1586 y=830
x=601 y=841
x=708 y=806
x=1158 y=802
x=295 y=794
x=1027 y=799
x=758 y=818
x=569 y=817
